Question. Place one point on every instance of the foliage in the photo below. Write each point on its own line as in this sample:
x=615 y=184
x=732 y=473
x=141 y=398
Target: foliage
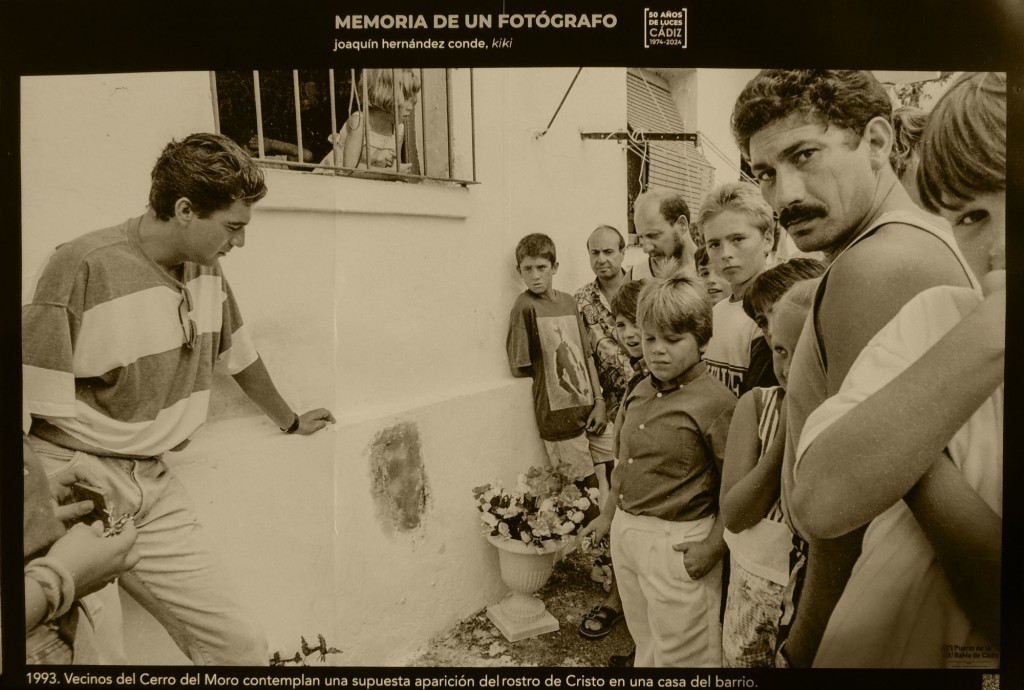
x=544 y=506
x=909 y=94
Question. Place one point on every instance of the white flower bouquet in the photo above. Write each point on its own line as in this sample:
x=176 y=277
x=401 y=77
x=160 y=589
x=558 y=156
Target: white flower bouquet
x=545 y=506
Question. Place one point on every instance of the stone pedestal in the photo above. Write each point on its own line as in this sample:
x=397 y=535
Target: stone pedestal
x=525 y=570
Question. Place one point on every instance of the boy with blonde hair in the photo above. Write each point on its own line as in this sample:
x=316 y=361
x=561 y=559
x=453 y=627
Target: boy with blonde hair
x=662 y=511
x=738 y=230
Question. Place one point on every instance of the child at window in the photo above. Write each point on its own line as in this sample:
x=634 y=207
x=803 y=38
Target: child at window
x=545 y=341
x=386 y=134
x=662 y=509
x=760 y=543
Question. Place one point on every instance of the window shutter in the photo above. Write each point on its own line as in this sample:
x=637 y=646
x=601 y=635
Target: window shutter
x=676 y=165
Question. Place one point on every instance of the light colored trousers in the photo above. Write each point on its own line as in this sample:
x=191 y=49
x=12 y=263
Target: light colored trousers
x=673 y=619
x=177 y=579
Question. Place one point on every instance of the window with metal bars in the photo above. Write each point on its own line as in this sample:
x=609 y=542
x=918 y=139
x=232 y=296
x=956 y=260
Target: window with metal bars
x=421 y=122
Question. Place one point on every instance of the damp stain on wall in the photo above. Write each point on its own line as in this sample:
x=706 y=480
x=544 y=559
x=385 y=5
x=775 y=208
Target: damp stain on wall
x=399 y=482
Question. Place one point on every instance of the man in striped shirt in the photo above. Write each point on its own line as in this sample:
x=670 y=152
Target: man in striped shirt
x=119 y=343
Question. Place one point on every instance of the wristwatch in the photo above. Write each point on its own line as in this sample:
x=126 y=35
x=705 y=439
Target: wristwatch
x=294 y=427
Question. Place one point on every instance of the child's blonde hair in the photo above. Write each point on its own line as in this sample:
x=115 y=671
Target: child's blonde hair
x=908 y=125
x=381 y=89
x=676 y=305
x=740 y=197
x=963 y=148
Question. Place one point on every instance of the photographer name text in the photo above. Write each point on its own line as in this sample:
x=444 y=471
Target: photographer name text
x=420 y=44
x=541 y=20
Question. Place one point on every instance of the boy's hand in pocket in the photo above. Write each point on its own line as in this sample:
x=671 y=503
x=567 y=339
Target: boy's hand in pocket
x=698 y=557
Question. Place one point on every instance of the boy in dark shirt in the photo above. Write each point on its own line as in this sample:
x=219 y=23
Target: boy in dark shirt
x=662 y=511
x=545 y=341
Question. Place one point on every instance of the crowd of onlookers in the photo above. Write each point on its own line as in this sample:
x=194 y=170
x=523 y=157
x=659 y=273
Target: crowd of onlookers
x=799 y=457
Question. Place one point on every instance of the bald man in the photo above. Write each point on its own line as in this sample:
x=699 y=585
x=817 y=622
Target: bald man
x=606 y=249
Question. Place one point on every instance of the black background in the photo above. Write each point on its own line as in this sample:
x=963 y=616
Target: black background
x=94 y=37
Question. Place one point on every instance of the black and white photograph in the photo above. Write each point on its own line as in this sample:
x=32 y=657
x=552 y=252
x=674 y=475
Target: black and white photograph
x=438 y=340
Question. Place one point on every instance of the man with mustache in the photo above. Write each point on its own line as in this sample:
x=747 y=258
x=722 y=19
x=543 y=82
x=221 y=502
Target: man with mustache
x=662 y=220
x=818 y=142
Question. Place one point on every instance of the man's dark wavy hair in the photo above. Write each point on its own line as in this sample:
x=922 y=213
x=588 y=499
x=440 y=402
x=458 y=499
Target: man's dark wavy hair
x=844 y=98
x=209 y=170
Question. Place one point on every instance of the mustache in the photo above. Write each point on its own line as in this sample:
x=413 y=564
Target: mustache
x=801 y=212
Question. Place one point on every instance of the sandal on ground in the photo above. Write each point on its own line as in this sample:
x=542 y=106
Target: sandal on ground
x=605 y=617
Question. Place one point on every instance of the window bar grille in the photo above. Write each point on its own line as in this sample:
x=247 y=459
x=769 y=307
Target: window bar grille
x=364 y=109
x=259 y=114
x=394 y=108
x=334 y=115
x=366 y=121
x=472 y=122
x=353 y=94
x=216 y=102
x=300 y=155
x=422 y=129
x=448 y=105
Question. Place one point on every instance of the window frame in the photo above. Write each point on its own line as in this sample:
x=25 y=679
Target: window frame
x=361 y=172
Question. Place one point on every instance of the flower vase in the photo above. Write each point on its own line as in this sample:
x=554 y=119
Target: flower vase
x=524 y=569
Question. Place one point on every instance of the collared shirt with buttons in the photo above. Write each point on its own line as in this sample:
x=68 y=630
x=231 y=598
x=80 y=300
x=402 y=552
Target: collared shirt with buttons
x=671 y=446
x=613 y=366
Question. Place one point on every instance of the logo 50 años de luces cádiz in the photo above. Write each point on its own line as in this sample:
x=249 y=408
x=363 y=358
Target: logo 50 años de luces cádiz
x=664 y=28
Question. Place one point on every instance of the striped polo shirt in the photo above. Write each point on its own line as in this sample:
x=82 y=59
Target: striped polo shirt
x=107 y=368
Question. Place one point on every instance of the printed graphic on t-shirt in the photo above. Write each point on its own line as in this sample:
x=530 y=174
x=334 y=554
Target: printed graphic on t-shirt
x=568 y=384
x=731 y=376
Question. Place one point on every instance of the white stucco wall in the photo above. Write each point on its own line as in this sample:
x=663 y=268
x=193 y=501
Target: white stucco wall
x=88 y=144
x=386 y=302
x=718 y=89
